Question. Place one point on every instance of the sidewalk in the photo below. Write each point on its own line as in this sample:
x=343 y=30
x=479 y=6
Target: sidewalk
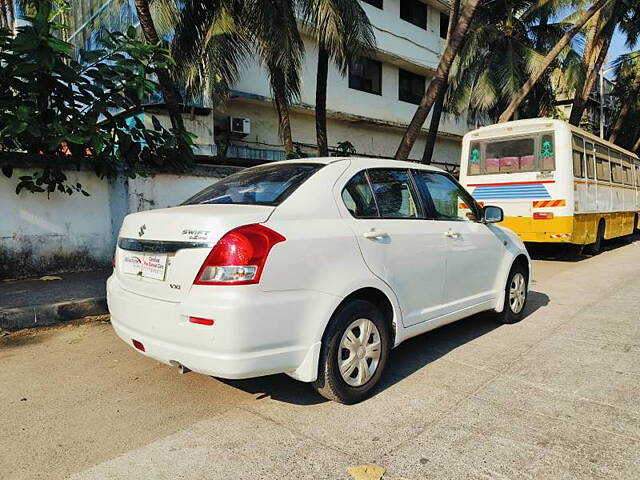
x=52 y=299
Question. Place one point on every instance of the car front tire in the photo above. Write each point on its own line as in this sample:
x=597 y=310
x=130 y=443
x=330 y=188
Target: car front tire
x=354 y=353
x=516 y=295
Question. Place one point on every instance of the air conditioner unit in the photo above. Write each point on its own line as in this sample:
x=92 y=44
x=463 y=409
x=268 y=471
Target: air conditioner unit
x=240 y=125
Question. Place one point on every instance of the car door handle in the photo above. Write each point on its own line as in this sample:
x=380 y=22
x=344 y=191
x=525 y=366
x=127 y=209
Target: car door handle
x=375 y=235
x=452 y=234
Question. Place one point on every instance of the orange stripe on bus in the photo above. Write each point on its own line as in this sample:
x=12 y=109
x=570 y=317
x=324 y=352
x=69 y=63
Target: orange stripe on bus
x=549 y=203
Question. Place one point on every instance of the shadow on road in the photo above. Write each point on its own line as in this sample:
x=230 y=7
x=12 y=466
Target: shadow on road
x=573 y=253
x=409 y=357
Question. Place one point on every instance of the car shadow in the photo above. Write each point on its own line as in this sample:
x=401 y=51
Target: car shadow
x=407 y=358
x=573 y=253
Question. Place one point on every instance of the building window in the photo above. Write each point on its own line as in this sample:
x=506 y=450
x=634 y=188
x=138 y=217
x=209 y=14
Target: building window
x=375 y=3
x=410 y=87
x=444 y=24
x=365 y=74
x=414 y=11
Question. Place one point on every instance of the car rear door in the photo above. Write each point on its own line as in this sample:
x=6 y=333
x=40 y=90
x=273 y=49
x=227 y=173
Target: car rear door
x=473 y=251
x=398 y=245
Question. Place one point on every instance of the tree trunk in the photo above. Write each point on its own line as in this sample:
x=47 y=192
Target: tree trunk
x=439 y=82
x=636 y=147
x=321 y=101
x=625 y=110
x=598 y=54
x=588 y=62
x=172 y=98
x=432 y=135
x=278 y=86
x=549 y=59
x=430 y=142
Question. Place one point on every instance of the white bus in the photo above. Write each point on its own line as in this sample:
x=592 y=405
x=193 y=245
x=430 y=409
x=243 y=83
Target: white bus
x=555 y=182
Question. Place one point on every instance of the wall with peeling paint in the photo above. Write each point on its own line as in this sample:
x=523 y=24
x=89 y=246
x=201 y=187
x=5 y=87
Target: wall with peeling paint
x=61 y=233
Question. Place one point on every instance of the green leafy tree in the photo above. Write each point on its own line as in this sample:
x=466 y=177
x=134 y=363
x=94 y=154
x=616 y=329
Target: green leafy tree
x=214 y=39
x=545 y=63
x=56 y=107
x=343 y=32
x=626 y=93
x=505 y=44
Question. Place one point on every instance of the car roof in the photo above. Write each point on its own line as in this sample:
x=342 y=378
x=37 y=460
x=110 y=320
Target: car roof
x=367 y=162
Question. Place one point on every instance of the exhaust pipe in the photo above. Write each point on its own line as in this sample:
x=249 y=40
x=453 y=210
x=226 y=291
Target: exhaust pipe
x=181 y=368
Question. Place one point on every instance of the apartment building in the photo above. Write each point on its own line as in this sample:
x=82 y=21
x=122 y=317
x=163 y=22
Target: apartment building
x=370 y=107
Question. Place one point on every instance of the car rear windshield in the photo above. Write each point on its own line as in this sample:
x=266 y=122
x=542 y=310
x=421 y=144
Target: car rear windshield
x=264 y=185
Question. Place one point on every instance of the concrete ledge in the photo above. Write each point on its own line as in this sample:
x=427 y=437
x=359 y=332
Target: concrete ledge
x=50 y=314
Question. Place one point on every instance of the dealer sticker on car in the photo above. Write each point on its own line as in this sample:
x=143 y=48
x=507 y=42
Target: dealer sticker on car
x=146 y=265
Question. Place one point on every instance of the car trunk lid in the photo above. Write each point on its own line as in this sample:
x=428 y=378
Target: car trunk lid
x=161 y=251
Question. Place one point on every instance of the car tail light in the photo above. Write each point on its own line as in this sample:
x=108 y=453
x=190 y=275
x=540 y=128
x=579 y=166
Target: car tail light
x=239 y=256
x=201 y=321
x=542 y=215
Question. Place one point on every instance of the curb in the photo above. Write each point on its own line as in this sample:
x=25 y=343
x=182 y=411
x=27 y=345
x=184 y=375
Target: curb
x=51 y=314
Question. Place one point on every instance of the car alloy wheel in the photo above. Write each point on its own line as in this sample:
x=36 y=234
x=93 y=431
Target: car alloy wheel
x=359 y=353
x=517 y=293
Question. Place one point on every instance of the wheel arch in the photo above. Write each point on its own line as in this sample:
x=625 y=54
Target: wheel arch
x=380 y=299
x=519 y=259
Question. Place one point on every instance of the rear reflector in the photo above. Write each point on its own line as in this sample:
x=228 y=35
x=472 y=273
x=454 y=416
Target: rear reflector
x=201 y=321
x=138 y=345
x=542 y=215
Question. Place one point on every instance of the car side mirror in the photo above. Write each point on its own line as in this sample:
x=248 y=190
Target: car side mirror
x=491 y=214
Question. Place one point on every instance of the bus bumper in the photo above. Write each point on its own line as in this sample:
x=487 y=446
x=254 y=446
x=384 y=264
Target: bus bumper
x=579 y=229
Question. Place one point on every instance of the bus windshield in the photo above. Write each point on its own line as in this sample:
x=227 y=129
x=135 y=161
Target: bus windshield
x=527 y=153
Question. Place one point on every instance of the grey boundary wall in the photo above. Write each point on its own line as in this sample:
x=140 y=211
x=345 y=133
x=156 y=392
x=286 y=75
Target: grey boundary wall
x=42 y=234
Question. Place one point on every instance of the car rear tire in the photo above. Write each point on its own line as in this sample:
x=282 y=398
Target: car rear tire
x=516 y=295
x=594 y=248
x=354 y=353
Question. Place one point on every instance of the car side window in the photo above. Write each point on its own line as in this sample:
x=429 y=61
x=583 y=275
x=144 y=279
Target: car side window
x=358 y=197
x=447 y=200
x=394 y=193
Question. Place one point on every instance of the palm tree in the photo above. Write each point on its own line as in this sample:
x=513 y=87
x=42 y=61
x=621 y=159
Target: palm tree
x=505 y=43
x=439 y=82
x=599 y=38
x=548 y=60
x=438 y=107
x=627 y=93
x=214 y=39
x=343 y=32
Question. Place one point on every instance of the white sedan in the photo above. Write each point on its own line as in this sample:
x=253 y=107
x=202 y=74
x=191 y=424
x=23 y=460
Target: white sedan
x=315 y=268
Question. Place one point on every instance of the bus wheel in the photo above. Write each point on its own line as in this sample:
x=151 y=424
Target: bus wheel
x=594 y=248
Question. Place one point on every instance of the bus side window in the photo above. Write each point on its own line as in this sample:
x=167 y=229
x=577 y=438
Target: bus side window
x=603 y=168
x=578 y=170
x=627 y=169
x=637 y=176
x=591 y=160
x=578 y=156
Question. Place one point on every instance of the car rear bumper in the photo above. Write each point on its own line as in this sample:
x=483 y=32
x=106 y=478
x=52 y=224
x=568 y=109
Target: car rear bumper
x=255 y=333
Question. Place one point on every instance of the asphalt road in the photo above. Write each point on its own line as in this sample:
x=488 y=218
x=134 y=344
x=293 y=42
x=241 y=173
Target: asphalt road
x=555 y=396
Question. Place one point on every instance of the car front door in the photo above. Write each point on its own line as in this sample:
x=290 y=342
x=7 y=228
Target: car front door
x=398 y=245
x=474 y=251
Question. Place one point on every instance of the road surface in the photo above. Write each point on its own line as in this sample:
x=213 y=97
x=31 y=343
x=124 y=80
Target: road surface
x=555 y=396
